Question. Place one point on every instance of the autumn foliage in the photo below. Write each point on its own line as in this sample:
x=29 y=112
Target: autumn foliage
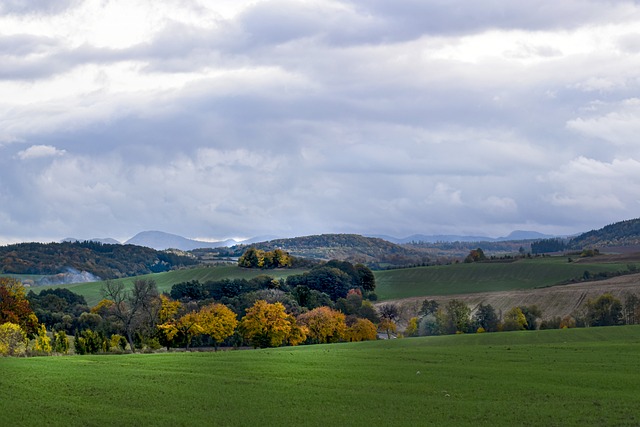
x=324 y=325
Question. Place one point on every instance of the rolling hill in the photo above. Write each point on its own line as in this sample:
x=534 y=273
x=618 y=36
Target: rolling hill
x=623 y=233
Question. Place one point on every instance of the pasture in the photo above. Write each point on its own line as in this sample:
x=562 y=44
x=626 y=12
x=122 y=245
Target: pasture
x=484 y=277
x=540 y=378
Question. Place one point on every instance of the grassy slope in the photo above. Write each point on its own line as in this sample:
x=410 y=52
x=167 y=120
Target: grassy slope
x=560 y=377
x=91 y=291
x=482 y=277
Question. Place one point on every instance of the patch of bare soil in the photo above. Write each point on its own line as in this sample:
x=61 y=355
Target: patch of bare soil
x=553 y=301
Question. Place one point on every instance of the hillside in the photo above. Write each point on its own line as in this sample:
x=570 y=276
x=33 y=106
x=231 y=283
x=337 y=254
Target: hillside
x=102 y=260
x=350 y=247
x=623 y=233
x=554 y=301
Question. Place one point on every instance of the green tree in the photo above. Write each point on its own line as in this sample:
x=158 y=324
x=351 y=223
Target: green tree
x=252 y=258
x=457 y=317
x=485 y=317
x=61 y=342
x=429 y=306
x=604 y=311
x=531 y=313
x=631 y=309
x=514 y=320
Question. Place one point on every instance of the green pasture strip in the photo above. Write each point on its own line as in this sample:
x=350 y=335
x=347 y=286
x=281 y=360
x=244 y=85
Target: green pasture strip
x=535 y=378
x=483 y=277
x=91 y=291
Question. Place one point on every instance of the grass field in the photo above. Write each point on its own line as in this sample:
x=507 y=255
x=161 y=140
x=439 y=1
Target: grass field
x=542 y=378
x=91 y=291
x=483 y=277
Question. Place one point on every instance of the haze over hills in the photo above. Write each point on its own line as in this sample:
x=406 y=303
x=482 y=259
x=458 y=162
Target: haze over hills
x=160 y=240
x=435 y=238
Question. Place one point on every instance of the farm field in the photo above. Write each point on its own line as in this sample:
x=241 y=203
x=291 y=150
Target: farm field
x=91 y=291
x=538 y=378
x=554 y=301
x=484 y=277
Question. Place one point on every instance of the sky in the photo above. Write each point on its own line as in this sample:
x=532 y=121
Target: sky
x=232 y=118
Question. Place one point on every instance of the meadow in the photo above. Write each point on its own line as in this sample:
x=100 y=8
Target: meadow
x=484 y=277
x=535 y=378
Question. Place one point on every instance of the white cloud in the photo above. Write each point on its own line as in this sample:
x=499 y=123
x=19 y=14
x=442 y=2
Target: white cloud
x=38 y=151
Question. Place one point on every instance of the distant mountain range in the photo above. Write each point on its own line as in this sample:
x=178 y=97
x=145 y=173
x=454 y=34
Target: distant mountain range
x=160 y=240
x=515 y=235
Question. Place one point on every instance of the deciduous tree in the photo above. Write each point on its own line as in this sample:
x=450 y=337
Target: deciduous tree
x=362 y=330
x=514 y=320
x=606 y=310
x=485 y=317
x=13 y=340
x=137 y=309
x=217 y=321
x=265 y=324
x=14 y=306
x=324 y=325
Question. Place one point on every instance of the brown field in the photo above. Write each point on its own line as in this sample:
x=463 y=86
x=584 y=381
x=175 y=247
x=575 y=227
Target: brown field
x=553 y=301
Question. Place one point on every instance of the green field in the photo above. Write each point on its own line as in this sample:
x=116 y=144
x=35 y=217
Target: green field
x=91 y=291
x=541 y=378
x=483 y=277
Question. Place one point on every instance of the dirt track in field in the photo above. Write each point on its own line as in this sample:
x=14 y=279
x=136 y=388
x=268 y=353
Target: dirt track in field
x=553 y=301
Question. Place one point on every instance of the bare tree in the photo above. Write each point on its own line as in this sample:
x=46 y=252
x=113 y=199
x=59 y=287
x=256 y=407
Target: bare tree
x=136 y=309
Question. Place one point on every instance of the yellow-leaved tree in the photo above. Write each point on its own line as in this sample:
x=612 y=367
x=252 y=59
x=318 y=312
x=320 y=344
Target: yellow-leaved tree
x=217 y=321
x=266 y=325
x=168 y=320
x=13 y=340
x=189 y=326
x=43 y=342
x=324 y=325
x=362 y=330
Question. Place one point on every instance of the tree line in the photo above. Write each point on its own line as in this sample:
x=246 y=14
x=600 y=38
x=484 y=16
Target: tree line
x=456 y=317
x=326 y=304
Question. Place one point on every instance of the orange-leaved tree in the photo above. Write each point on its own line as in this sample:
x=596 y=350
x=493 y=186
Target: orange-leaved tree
x=14 y=306
x=324 y=325
x=266 y=325
x=217 y=321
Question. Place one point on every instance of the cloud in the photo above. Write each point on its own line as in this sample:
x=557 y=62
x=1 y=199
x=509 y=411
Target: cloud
x=286 y=117
x=619 y=126
x=38 y=151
